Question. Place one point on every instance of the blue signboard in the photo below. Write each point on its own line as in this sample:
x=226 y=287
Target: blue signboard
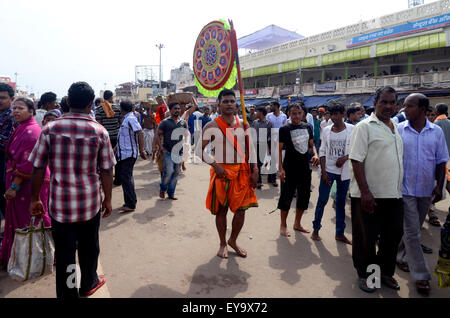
x=327 y=87
x=412 y=27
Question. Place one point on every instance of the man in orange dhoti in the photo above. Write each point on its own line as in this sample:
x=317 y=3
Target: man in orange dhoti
x=232 y=181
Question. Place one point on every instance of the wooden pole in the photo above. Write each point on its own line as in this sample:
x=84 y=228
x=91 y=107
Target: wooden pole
x=235 y=49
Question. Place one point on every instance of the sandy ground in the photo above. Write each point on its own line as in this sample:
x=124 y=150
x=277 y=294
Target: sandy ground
x=168 y=249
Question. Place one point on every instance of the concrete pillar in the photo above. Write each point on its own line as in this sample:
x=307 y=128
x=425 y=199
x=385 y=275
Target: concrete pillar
x=409 y=63
x=346 y=71
x=375 y=68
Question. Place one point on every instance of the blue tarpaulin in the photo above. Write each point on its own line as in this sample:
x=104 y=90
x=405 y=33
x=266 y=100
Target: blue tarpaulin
x=256 y=101
x=269 y=36
x=369 y=102
x=316 y=101
x=284 y=101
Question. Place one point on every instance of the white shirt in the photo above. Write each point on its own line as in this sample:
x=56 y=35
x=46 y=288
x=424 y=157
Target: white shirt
x=277 y=121
x=324 y=124
x=324 y=150
x=336 y=149
x=310 y=120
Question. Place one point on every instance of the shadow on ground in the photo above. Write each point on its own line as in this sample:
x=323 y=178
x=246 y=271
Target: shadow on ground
x=208 y=280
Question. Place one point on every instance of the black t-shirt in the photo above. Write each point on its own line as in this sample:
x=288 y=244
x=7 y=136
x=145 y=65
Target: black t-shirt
x=168 y=126
x=296 y=143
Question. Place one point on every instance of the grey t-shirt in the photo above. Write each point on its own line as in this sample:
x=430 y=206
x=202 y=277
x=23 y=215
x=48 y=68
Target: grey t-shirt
x=171 y=138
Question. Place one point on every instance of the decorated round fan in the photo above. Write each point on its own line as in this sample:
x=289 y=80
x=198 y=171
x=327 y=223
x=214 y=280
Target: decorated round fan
x=214 y=65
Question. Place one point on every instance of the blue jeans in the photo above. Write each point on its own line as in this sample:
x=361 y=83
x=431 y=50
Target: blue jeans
x=170 y=174
x=324 y=194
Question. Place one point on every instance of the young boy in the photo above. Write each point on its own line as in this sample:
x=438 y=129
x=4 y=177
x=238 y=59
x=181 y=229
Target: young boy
x=334 y=167
x=294 y=171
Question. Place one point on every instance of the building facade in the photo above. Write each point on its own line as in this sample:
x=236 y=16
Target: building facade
x=409 y=50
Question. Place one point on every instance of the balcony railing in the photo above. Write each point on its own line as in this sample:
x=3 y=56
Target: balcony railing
x=434 y=80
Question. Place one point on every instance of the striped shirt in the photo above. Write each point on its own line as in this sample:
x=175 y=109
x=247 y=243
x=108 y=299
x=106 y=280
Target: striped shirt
x=112 y=124
x=127 y=140
x=74 y=147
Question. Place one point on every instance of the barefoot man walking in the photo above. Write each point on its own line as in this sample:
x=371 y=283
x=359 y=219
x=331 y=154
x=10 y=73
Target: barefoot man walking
x=233 y=178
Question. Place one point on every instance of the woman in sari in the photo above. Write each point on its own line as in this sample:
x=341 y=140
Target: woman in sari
x=18 y=173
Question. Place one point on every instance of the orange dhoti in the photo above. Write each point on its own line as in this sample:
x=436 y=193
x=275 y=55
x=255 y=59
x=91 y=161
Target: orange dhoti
x=234 y=191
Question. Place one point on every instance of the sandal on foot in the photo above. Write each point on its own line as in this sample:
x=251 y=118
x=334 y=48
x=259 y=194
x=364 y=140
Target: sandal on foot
x=403 y=266
x=434 y=221
x=101 y=282
x=423 y=286
x=362 y=284
x=390 y=282
x=426 y=250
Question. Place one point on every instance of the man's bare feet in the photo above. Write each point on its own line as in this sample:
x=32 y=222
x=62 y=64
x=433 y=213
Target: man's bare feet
x=315 y=236
x=223 y=252
x=301 y=229
x=162 y=195
x=240 y=251
x=284 y=232
x=344 y=240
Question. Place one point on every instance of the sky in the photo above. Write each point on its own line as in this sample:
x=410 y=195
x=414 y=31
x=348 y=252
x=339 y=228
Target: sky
x=52 y=43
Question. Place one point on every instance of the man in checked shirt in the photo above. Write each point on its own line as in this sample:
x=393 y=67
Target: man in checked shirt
x=80 y=157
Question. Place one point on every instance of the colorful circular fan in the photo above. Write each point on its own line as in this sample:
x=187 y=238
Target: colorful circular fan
x=214 y=65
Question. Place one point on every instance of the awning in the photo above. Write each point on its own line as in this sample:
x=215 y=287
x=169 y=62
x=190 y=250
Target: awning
x=370 y=101
x=269 y=36
x=348 y=99
x=284 y=101
x=256 y=101
x=316 y=101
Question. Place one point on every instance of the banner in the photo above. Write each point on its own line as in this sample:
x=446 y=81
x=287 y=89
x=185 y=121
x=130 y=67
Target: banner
x=403 y=29
x=250 y=92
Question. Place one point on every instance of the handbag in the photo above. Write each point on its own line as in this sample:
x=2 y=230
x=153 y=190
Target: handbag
x=32 y=253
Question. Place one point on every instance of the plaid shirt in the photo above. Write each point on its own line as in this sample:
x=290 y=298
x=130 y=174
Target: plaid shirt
x=75 y=147
x=6 y=128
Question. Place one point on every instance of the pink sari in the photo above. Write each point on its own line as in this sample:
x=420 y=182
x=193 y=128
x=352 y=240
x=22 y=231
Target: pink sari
x=17 y=215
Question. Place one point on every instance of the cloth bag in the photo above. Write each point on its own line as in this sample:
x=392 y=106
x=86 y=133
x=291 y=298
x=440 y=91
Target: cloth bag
x=32 y=253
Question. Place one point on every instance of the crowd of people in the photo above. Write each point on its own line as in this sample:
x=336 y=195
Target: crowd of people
x=61 y=160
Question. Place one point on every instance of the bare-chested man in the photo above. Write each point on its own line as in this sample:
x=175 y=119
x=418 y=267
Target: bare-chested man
x=233 y=178
x=149 y=127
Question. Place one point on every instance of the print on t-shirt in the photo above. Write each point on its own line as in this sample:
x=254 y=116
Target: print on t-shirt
x=300 y=139
x=337 y=147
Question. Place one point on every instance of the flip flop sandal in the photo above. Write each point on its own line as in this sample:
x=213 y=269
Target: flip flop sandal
x=434 y=221
x=423 y=286
x=403 y=266
x=390 y=282
x=101 y=282
x=362 y=284
x=426 y=250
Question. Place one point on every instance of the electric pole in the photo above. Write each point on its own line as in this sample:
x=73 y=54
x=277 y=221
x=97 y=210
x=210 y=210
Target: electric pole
x=160 y=46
